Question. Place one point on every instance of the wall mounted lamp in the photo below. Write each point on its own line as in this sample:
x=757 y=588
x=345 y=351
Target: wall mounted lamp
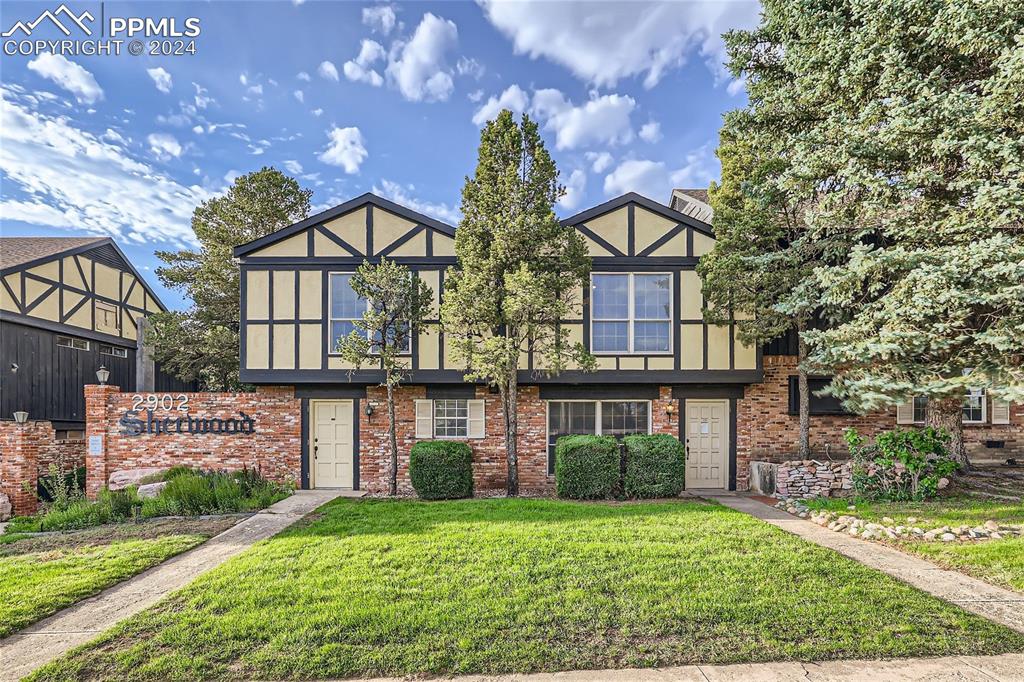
x=102 y=374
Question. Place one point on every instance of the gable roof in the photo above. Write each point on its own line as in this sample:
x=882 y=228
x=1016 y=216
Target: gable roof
x=22 y=253
x=368 y=199
x=640 y=200
x=692 y=202
x=21 y=250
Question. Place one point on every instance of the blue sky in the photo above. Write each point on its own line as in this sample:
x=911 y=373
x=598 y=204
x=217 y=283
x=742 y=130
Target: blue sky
x=352 y=97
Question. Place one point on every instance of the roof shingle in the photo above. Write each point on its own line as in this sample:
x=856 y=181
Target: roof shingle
x=18 y=250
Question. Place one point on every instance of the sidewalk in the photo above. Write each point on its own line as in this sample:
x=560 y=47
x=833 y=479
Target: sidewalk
x=1005 y=668
x=1002 y=606
x=39 y=644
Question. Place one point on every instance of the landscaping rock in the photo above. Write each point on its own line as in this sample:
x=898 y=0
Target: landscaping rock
x=943 y=482
x=6 y=508
x=948 y=537
x=991 y=525
x=122 y=478
x=151 y=489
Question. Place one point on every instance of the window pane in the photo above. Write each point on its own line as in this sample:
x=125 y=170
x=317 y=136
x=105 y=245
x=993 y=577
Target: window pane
x=568 y=418
x=339 y=330
x=651 y=297
x=920 y=408
x=610 y=300
x=450 y=418
x=650 y=336
x=974 y=403
x=610 y=336
x=344 y=302
x=624 y=418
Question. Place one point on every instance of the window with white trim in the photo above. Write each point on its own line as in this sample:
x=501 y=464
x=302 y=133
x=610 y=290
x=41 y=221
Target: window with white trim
x=346 y=308
x=975 y=409
x=72 y=342
x=601 y=418
x=631 y=313
x=116 y=351
x=450 y=418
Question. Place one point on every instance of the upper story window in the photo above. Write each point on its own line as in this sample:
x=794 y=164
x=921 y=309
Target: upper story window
x=346 y=308
x=107 y=318
x=631 y=313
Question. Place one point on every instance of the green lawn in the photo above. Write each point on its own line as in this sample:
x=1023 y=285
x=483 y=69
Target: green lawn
x=36 y=584
x=376 y=587
x=1000 y=562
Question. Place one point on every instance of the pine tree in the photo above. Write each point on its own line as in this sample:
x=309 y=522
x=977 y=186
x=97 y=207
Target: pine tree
x=519 y=271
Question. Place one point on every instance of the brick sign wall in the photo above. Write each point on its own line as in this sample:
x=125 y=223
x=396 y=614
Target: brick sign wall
x=216 y=431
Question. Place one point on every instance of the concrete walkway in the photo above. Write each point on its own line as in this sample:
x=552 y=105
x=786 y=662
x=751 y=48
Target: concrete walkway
x=1005 y=668
x=995 y=603
x=37 y=645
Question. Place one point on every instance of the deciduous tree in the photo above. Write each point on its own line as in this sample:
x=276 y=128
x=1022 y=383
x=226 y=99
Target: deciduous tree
x=519 y=271
x=399 y=303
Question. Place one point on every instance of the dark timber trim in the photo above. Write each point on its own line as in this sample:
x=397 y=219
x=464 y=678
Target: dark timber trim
x=611 y=392
x=450 y=376
x=320 y=229
x=639 y=200
x=456 y=392
x=598 y=239
x=665 y=239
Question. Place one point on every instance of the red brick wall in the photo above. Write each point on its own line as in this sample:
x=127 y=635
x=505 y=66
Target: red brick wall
x=489 y=459
x=766 y=431
x=20 y=445
x=68 y=454
x=274 y=446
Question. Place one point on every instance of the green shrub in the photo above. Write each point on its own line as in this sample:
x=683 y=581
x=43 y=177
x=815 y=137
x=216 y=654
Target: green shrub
x=586 y=467
x=193 y=492
x=655 y=466
x=160 y=506
x=59 y=489
x=901 y=464
x=441 y=469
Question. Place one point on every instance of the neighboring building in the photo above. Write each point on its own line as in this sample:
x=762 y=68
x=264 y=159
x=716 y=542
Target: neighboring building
x=661 y=368
x=68 y=305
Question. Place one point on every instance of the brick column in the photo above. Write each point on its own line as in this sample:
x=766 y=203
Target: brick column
x=661 y=421
x=97 y=405
x=19 y=462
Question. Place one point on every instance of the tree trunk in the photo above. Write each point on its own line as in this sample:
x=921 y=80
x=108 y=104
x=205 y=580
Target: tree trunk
x=393 y=438
x=508 y=406
x=947 y=414
x=805 y=396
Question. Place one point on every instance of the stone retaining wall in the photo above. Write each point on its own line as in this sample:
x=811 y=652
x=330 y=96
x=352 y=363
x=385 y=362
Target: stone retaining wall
x=811 y=478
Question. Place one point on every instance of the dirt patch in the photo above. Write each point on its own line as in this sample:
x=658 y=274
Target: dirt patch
x=114 y=532
x=991 y=482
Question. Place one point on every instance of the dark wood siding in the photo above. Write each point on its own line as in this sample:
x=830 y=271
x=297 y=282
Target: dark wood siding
x=50 y=380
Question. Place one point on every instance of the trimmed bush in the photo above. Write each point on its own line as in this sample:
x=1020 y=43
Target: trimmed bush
x=441 y=469
x=586 y=467
x=655 y=466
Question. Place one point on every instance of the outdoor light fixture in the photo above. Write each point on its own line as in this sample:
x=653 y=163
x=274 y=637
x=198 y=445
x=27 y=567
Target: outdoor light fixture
x=368 y=410
x=670 y=409
x=21 y=416
x=102 y=374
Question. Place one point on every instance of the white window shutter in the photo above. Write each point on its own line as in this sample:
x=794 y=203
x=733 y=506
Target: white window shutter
x=905 y=412
x=424 y=419
x=476 y=418
x=1000 y=411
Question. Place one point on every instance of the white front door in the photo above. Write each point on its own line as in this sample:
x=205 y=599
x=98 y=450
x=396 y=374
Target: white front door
x=332 y=444
x=707 y=443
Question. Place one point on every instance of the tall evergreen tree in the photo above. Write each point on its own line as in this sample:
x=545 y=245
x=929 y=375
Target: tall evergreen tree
x=202 y=343
x=519 y=271
x=916 y=137
x=399 y=303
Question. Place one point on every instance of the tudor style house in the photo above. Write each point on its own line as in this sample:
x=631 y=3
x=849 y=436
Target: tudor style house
x=661 y=367
x=68 y=306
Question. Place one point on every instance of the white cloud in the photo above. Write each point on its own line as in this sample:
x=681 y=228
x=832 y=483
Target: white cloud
x=650 y=132
x=359 y=69
x=345 y=149
x=303 y=76
x=475 y=96
x=655 y=180
x=327 y=70
x=161 y=78
x=293 y=167
x=198 y=130
x=67 y=75
x=602 y=120
x=599 y=161
x=380 y=19
x=603 y=42
x=243 y=79
x=513 y=98
x=114 y=137
x=467 y=66
x=299 y=95
x=256 y=89
x=94 y=184
x=231 y=176
x=317 y=112
x=574 y=189
x=202 y=100
x=164 y=145
x=402 y=195
x=418 y=67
